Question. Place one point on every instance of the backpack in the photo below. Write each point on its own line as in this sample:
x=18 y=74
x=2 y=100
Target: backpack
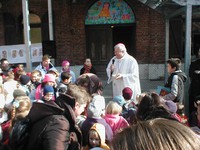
x=20 y=134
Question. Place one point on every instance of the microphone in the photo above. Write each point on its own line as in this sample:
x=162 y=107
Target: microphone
x=113 y=61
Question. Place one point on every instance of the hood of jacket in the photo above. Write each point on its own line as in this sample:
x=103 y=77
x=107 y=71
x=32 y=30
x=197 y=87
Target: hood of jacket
x=41 y=110
x=181 y=74
x=100 y=129
x=67 y=103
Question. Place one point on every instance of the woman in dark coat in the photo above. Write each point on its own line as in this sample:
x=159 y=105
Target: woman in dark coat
x=87 y=68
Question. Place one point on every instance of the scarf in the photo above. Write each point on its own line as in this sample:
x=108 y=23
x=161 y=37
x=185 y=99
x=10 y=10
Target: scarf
x=66 y=70
x=87 y=68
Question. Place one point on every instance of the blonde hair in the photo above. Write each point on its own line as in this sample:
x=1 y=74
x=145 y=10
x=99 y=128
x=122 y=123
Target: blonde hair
x=162 y=134
x=113 y=108
x=21 y=107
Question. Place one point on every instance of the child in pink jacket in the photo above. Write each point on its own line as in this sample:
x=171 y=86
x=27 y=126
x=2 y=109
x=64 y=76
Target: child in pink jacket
x=113 y=118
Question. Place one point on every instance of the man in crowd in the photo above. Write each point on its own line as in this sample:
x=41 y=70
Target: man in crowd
x=45 y=65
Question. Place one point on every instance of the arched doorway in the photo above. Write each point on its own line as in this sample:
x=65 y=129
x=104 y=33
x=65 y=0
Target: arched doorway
x=107 y=23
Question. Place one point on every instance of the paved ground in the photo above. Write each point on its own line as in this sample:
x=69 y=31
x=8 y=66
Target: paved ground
x=146 y=86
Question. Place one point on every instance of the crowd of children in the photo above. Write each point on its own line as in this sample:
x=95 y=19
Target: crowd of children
x=67 y=113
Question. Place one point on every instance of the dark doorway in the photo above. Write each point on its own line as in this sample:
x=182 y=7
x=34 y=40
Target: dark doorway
x=126 y=35
x=175 y=38
x=101 y=40
x=99 y=46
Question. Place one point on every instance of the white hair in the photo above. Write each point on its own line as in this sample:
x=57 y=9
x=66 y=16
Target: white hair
x=121 y=47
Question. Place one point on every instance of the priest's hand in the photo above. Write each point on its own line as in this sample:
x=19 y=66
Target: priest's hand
x=118 y=76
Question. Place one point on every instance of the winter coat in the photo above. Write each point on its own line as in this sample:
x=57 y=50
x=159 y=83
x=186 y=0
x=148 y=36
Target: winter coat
x=43 y=70
x=49 y=128
x=116 y=122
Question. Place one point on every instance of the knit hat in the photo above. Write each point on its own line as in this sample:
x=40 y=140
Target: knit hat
x=127 y=93
x=171 y=106
x=48 y=90
x=119 y=100
x=18 y=92
x=24 y=79
x=94 y=109
x=65 y=62
x=49 y=78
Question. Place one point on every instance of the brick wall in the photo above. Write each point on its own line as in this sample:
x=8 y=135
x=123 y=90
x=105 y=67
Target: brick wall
x=150 y=34
x=70 y=31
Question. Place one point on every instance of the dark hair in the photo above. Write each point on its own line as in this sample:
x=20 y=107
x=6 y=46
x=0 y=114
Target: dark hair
x=151 y=107
x=91 y=82
x=3 y=59
x=65 y=75
x=175 y=62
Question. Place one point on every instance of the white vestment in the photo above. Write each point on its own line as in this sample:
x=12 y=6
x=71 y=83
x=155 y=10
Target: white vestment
x=127 y=67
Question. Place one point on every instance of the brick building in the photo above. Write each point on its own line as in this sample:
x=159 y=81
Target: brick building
x=75 y=40
x=146 y=35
